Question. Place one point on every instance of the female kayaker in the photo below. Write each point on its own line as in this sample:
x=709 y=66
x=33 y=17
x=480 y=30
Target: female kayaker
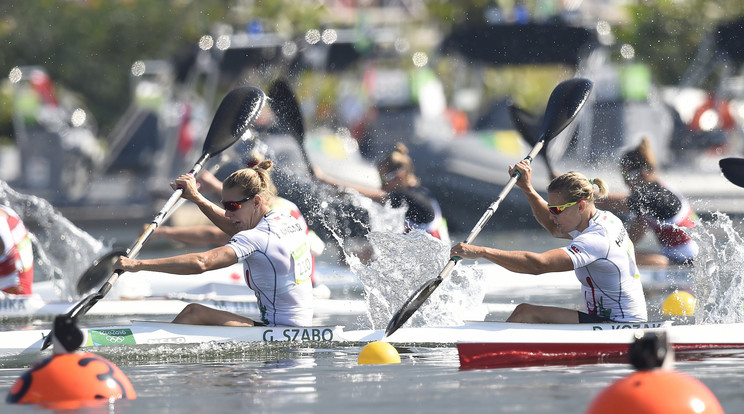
x=400 y=185
x=271 y=244
x=600 y=253
x=209 y=234
x=655 y=207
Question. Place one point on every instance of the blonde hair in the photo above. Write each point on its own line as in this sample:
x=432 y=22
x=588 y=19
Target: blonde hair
x=253 y=181
x=639 y=158
x=575 y=186
x=397 y=160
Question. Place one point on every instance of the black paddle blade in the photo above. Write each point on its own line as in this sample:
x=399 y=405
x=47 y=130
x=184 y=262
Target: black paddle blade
x=286 y=108
x=564 y=104
x=98 y=272
x=527 y=124
x=733 y=170
x=233 y=118
x=412 y=304
x=289 y=116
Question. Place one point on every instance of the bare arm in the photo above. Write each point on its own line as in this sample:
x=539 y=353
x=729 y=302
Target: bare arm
x=555 y=260
x=538 y=204
x=214 y=213
x=196 y=235
x=636 y=229
x=615 y=202
x=186 y=264
x=375 y=194
x=209 y=182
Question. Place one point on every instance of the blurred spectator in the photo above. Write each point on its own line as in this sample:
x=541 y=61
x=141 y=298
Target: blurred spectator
x=16 y=254
x=655 y=207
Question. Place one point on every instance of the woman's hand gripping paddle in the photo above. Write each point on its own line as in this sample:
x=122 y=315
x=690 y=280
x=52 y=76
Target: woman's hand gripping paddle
x=564 y=104
x=233 y=118
x=102 y=267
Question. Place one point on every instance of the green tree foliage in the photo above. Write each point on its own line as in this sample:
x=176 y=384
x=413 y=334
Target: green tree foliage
x=89 y=46
x=667 y=33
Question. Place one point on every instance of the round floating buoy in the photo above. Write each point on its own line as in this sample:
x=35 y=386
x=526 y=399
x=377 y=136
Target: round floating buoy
x=71 y=378
x=378 y=353
x=679 y=303
x=656 y=392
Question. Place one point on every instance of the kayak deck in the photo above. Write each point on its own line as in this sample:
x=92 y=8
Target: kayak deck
x=480 y=344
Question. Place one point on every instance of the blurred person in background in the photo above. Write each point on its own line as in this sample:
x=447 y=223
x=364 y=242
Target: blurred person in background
x=400 y=185
x=16 y=254
x=655 y=207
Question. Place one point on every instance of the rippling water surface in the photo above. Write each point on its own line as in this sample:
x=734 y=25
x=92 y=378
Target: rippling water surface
x=325 y=377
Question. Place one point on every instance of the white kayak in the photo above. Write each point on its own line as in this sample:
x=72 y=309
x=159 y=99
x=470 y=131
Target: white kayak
x=156 y=332
x=530 y=343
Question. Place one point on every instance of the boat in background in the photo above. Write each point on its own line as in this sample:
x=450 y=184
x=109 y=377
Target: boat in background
x=148 y=293
x=465 y=170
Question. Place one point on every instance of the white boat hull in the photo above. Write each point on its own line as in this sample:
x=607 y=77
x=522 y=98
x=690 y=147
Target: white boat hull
x=506 y=343
x=154 y=333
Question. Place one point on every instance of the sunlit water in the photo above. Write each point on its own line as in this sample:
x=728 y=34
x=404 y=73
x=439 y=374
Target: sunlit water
x=325 y=377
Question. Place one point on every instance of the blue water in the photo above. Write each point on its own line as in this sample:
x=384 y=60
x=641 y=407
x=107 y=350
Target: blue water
x=325 y=378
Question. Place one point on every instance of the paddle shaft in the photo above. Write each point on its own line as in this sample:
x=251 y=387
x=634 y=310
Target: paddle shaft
x=420 y=296
x=84 y=306
x=564 y=104
x=489 y=212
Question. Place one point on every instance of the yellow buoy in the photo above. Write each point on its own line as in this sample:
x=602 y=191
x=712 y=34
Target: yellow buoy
x=679 y=303
x=378 y=353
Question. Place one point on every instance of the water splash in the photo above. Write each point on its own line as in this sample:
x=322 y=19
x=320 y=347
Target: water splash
x=717 y=279
x=402 y=263
x=399 y=263
x=62 y=251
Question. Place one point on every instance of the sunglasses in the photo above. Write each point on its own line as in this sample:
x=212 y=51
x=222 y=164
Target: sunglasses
x=389 y=176
x=556 y=210
x=234 y=205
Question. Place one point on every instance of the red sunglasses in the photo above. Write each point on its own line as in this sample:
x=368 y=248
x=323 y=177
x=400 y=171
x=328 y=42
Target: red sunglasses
x=234 y=205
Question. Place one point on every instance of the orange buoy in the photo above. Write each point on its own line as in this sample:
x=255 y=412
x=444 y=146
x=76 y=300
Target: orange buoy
x=656 y=392
x=71 y=378
x=655 y=388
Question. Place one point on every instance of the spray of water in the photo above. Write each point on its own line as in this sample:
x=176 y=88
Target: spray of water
x=717 y=279
x=62 y=251
x=402 y=263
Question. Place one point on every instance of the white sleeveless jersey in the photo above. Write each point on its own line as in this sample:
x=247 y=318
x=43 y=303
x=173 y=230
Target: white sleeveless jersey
x=604 y=261
x=277 y=265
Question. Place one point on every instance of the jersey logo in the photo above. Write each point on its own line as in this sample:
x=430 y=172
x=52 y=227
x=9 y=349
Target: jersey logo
x=574 y=249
